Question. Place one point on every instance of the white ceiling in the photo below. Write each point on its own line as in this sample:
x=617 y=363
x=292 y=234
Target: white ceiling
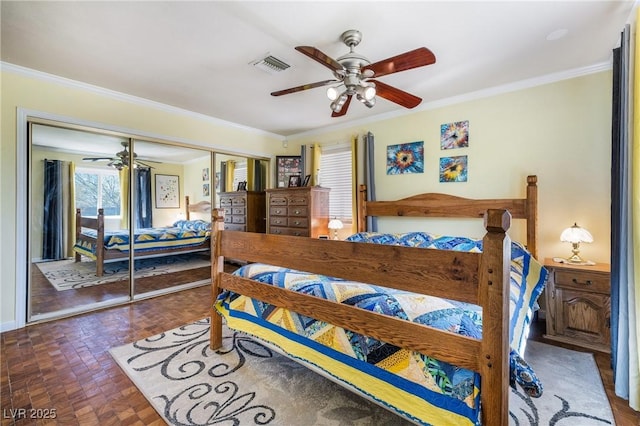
x=196 y=55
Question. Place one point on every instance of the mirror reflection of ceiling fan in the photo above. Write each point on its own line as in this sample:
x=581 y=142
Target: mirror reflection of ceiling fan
x=354 y=75
x=122 y=158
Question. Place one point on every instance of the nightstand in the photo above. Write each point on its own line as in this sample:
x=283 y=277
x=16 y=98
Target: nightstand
x=579 y=304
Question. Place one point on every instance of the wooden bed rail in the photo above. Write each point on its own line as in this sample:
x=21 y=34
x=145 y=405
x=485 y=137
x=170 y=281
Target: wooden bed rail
x=444 y=205
x=479 y=278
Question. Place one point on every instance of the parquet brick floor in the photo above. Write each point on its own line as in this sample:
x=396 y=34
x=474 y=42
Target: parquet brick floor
x=65 y=365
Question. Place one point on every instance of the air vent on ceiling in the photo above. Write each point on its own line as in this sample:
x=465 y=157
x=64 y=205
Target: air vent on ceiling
x=270 y=64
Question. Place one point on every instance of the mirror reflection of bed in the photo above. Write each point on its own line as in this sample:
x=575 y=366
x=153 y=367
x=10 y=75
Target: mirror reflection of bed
x=158 y=270
x=77 y=166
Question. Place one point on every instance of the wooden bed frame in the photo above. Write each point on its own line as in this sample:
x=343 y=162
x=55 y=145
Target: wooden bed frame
x=104 y=255
x=477 y=278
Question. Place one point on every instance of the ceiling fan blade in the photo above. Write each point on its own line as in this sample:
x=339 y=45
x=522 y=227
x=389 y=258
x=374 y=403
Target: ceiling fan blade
x=97 y=158
x=321 y=58
x=343 y=111
x=403 y=62
x=303 y=87
x=396 y=95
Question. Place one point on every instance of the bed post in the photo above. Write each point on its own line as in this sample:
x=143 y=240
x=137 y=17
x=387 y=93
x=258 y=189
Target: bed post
x=494 y=299
x=186 y=206
x=531 y=211
x=78 y=232
x=217 y=266
x=100 y=244
x=361 y=208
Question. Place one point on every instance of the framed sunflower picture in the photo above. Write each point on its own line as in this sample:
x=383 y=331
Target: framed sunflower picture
x=405 y=158
x=453 y=169
x=454 y=135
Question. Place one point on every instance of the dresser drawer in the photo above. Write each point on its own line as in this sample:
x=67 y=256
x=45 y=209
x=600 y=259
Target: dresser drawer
x=278 y=221
x=235 y=227
x=298 y=200
x=298 y=211
x=228 y=211
x=277 y=201
x=224 y=202
x=238 y=201
x=579 y=280
x=228 y=218
x=277 y=211
x=298 y=222
x=237 y=210
x=238 y=219
x=295 y=232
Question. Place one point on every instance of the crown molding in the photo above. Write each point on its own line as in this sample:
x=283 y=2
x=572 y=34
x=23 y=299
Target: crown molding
x=485 y=93
x=39 y=75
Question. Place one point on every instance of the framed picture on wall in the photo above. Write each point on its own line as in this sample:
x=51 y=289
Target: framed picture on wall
x=167 y=192
x=287 y=166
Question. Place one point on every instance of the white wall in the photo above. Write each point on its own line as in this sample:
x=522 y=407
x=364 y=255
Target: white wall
x=105 y=109
x=560 y=132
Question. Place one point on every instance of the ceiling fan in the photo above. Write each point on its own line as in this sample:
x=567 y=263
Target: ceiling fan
x=121 y=159
x=354 y=74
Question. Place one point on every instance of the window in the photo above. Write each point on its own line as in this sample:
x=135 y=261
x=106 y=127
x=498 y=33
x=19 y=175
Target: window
x=336 y=172
x=97 y=189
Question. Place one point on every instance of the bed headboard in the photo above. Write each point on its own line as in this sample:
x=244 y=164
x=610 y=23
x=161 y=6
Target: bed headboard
x=444 y=205
x=200 y=207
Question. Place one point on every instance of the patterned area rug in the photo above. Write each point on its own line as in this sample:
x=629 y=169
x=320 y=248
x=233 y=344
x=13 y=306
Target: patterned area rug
x=68 y=274
x=247 y=383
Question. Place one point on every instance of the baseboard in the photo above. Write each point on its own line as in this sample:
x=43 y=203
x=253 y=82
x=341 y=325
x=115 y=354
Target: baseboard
x=7 y=326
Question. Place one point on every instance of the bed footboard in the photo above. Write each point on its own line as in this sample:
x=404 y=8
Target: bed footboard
x=92 y=223
x=478 y=278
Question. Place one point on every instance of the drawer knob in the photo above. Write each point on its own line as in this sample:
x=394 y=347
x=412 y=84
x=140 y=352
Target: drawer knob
x=587 y=282
x=297 y=212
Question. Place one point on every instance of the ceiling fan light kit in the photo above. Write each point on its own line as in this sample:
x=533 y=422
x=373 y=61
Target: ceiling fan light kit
x=353 y=75
x=122 y=158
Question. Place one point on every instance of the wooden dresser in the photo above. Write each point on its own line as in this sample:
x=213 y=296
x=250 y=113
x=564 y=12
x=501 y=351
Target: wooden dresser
x=244 y=211
x=579 y=304
x=302 y=211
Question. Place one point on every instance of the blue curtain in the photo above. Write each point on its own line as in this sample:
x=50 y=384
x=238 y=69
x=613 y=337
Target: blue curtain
x=369 y=170
x=52 y=226
x=621 y=219
x=223 y=176
x=143 y=212
x=258 y=178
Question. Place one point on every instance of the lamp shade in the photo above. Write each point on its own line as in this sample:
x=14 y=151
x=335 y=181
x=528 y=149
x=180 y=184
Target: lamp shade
x=335 y=224
x=576 y=234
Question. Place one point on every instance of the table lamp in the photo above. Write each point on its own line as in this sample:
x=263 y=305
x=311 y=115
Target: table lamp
x=335 y=224
x=576 y=235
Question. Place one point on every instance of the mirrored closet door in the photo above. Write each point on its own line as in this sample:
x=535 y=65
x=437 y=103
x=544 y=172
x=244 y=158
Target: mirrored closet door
x=91 y=194
x=172 y=212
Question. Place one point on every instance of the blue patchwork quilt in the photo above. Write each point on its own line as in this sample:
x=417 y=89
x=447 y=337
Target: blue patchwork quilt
x=417 y=386
x=183 y=233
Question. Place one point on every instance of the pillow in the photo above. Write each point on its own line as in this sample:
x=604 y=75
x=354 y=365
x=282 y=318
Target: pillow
x=192 y=225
